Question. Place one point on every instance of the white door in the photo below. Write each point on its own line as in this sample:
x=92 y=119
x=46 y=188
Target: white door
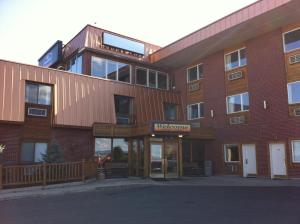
x=249 y=160
x=277 y=160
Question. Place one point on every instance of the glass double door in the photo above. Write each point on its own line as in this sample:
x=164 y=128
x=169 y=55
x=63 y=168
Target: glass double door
x=164 y=159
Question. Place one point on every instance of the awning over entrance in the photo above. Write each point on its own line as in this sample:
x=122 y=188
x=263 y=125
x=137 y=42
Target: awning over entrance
x=153 y=128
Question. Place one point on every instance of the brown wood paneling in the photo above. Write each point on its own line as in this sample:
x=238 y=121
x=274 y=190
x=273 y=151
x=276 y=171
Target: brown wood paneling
x=238 y=85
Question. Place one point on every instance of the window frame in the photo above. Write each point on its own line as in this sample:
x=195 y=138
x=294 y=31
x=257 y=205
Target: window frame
x=176 y=110
x=198 y=75
x=38 y=92
x=291 y=103
x=34 y=151
x=147 y=77
x=131 y=108
x=239 y=59
x=199 y=114
x=283 y=40
x=242 y=104
x=292 y=146
x=117 y=72
x=225 y=153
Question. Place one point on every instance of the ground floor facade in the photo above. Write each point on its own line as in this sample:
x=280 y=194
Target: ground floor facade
x=127 y=151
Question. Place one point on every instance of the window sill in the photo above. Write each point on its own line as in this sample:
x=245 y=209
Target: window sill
x=241 y=112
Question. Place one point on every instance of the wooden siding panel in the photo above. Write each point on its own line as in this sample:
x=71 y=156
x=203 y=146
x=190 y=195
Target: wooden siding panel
x=78 y=100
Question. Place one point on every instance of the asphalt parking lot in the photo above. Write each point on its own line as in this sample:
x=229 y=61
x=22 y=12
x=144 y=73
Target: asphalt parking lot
x=159 y=204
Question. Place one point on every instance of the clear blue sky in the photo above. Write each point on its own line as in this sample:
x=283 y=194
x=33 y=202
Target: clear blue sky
x=29 y=27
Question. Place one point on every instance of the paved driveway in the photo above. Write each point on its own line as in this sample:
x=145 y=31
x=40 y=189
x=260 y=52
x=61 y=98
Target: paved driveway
x=163 y=204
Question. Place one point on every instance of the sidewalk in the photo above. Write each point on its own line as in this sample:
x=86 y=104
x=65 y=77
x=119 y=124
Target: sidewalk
x=90 y=185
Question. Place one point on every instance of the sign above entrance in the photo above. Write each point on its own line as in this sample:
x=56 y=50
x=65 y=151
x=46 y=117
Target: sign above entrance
x=167 y=127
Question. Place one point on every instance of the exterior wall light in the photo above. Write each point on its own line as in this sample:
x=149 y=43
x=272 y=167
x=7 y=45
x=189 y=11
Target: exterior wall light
x=265 y=104
x=180 y=136
x=212 y=113
x=153 y=135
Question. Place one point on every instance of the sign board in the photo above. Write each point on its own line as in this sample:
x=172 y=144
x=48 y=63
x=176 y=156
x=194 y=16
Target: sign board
x=53 y=55
x=123 y=43
x=167 y=127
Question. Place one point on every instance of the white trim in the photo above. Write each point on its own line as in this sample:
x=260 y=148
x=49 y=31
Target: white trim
x=198 y=75
x=239 y=59
x=283 y=40
x=224 y=151
x=292 y=144
x=290 y=94
x=188 y=113
x=242 y=103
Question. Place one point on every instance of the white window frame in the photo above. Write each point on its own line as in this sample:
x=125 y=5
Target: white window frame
x=225 y=151
x=188 y=111
x=156 y=77
x=283 y=40
x=198 y=75
x=293 y=149
x=289 y=93
x=117 y=77
x=242 y=103
x=239 y=59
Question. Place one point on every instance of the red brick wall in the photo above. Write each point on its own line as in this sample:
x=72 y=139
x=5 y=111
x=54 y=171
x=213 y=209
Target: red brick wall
x=267 y=81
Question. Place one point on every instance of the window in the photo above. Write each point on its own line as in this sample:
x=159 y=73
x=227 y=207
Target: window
x=170 y=112
x=231 y=153
x=33 y=152
x=291 y=40
x=109 y=69
x=235 y=59
x=195 y=73
x=117 y=148
x=294 y=92
x=141 y=76
x=75 y=64
x=296 y=151
x=195 y=111
x=38 y=94
x=238 y=103
x=151 y=78
x=124 y=109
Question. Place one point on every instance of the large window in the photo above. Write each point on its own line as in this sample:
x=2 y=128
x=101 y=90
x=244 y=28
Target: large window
x=116 y=148
x=109 y=69
x=33 y=152
x=291 y=40
x=294 y=92
x=38 y=94
x=296 y=151
x=238 y=103
x=235 y=59
x=151 y=78
x=75 y=64
x=170 y=112
x=124 y=109
x=195 y=111
x=195 y=73
x=231 y=153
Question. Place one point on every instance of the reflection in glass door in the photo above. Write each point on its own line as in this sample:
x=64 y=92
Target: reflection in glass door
x=171 y=161
x=156 y=162
x=164 y=160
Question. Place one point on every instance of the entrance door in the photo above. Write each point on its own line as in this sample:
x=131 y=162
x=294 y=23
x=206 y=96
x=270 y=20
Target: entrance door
x=164 y=160
x=249 y=160
x=277 y=160
x=156 y=163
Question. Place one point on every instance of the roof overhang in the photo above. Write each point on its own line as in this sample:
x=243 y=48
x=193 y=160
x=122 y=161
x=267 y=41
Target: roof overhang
x=247 y=23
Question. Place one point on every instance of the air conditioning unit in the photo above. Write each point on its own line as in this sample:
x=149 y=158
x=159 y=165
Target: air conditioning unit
x=234 y=76
x=297 y=112
x=37 y=112
x=237 y=120
x=123 y=120
x=295 y=59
